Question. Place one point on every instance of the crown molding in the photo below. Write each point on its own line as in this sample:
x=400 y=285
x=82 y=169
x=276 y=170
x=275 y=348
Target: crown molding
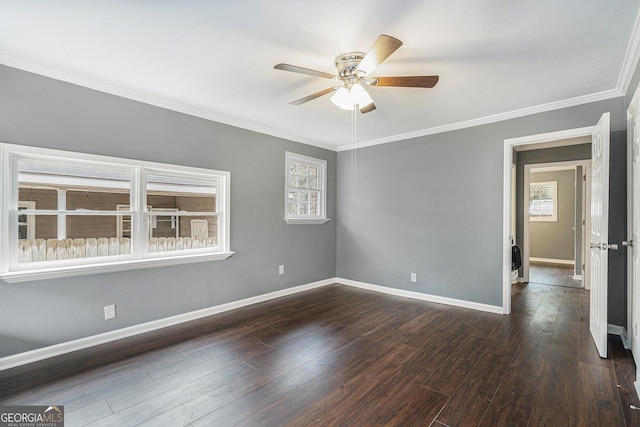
x=630 y=59
x=153 y=100
x=571 y=102
x=629 y=64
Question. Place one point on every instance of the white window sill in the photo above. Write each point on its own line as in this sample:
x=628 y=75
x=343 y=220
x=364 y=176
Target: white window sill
x=306 y=220
x=108 y=267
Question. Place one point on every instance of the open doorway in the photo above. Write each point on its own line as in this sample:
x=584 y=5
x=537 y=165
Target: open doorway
x=555 y=216
x=571 y=145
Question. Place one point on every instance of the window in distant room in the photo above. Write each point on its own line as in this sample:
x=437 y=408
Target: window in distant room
x=543 y=201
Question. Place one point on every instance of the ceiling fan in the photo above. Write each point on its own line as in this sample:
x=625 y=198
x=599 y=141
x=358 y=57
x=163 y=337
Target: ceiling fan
x=353 y=70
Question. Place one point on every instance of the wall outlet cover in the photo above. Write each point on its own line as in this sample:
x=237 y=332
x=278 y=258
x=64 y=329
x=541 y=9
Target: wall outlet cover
x=110 y=312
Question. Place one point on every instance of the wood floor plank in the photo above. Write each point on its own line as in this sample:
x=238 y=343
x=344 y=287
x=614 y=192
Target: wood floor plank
x=344 y=356
x=470 y=401
x=555 y=402
x=598 y=403
x=457 y=366
x=625 y=372
x=512 y=403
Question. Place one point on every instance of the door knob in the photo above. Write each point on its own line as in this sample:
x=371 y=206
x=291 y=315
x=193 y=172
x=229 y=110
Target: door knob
x=627 y=243
x=611 y=246
x=595 y=245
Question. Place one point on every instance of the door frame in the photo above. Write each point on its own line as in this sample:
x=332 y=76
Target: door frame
x=526 y=229
x=509 y=145
x=633 y=289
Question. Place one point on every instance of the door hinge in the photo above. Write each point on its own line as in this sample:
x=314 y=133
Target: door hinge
x=584 y=178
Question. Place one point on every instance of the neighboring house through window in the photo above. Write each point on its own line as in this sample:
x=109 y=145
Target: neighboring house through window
x=69 y=213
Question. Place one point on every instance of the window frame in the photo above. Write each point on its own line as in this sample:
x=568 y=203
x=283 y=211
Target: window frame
x=554 y=197
x=321 y=218
x=140 y=257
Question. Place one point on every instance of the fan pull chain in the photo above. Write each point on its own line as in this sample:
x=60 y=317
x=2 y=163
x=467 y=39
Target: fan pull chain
x=354 y=141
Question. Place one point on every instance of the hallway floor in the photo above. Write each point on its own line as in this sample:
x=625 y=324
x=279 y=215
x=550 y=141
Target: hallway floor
x=553 y=274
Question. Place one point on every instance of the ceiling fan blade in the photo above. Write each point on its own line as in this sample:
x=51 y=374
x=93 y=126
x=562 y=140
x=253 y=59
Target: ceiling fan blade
x=314 y=96
x=368 y=108
x=383 y=47
x=406 y=81
x=307 y=71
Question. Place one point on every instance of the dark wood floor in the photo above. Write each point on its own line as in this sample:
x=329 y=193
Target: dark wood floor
x=553 y=274
x=343 y=356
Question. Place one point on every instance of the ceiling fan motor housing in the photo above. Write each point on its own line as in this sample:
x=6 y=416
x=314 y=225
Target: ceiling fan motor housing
x=347 y=65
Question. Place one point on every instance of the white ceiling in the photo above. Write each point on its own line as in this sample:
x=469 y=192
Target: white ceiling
x=214 y=59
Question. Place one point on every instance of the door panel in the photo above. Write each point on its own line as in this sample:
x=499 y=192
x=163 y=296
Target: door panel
x=599 y=242
x=635 y=227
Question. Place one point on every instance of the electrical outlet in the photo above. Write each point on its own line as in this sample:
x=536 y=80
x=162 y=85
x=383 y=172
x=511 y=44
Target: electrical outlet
x=414 y=277
x=110 y=312
x=281 y=269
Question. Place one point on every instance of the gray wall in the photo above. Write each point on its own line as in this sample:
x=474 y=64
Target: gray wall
x=38 y=111
x=556 y=239
x=617 y=270
x=433 y=205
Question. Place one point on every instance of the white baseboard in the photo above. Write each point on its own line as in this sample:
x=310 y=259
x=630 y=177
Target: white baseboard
x=421 y=296
x=621 y=331
x=26 y=357
x=553 y=261
x=19 y=359
x=577 y=276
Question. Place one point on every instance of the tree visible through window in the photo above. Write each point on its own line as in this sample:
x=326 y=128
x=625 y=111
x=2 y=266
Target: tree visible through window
x=543 y=203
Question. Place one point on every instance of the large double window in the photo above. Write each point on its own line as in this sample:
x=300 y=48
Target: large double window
x=68 y=213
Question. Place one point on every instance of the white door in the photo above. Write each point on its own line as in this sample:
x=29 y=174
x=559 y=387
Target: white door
x=634 y=226
x=599 y=242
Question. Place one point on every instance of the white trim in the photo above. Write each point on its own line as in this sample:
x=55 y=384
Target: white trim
x=509 y=145
x=630 y=61
x=577 y=276
x=109 y=267
x=151 y=99
x=553 y=260
x=306 y=220
x=571 y=102
x=9 y=362
x=621 y=332
x=630 y=58
x=31 y=356
x=421 y=296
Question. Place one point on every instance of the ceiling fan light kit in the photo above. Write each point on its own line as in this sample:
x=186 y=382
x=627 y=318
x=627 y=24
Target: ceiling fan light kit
x=353 y=69
x=347 y=99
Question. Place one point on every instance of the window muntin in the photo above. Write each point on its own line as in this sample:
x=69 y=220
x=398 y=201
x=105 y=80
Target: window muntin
x=543 y=201
x=173 y=202
x=66 y=211
x=306 y=188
